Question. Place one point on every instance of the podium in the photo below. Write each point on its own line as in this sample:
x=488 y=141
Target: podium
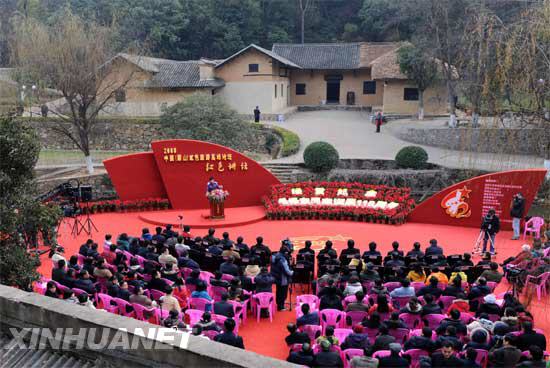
x=217 y=209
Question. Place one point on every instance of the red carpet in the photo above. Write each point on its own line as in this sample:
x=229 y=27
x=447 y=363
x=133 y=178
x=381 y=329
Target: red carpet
x=268 y=338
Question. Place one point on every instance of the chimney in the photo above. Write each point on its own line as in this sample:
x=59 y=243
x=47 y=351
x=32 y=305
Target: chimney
x=206 y=69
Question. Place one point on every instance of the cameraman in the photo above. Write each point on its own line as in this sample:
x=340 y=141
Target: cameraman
x=490 y=226
x=282 y=273
x=517 y=209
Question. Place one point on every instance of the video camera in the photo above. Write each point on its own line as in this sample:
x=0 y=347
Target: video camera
x=487 y=222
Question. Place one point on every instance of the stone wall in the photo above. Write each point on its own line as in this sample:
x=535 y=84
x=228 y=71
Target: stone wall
x=506 y=141
x=19 y=309
x=125 y=135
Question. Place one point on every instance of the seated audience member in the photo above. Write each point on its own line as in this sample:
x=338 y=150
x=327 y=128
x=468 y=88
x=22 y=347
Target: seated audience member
x=166 y=258
x=223 y=308
x=70 y=297
x=235 y=291
x=358 y=304
x=59 y=273
x=230 y=268
x=478 y=340
x=123 y=292
x=85 y=248
x=169 y=272
x=353 y=286
x=357 y=339
x=327 y=358
x=194 y=278
x=449 y=336
x=109 y=254
x=461 y=304
x=394 y=322
x=364 y=361
x=295 y=336
x=371 y=252
x=535 y=360
x=383 y=340
x=413 y=306
x=207 y=324
x=440 y=276
x=394 y=359
x=330 y=299
x=492 y=274
x=373 y=322
x=173 y=320
x=417 y=273
x=218 y=281
x=185 y=262
x=168 y=302
x=200 y=292
x=241 y=247
x=469 y=359
x=500 y=329
x=229 y=252
x=84 y=301
x=394 y=261
x=530 y=337
x=404 y=290
x=455 y=321
x=423 y=342
x=157 y=283
x=328 y=336
x=505 y=354
x=382 y=306
x=51 y=290
x=431 y=307
x=180 y=245
x=446 y=357
x=479 y=290
x=395 y=249
x=356 y=263
x=369 y=273
x=431 y=288
x=308 y=318
x=454 y=288
x=73 y=263
x=522 y=257
x=416 y=252
x=304 y=357
x=379 y=289
x=489 y=306
x=70 y=278
x=101 y=271
x=228 y=337
x=85 y=283
x=433 y=249
x=510 y=317
x=138 y=297
x=264 y=281
x=252 y=269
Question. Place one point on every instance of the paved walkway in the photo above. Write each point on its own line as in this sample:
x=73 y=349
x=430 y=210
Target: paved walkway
x=354 y=137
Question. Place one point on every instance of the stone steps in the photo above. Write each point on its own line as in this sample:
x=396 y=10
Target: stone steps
x=283 y=172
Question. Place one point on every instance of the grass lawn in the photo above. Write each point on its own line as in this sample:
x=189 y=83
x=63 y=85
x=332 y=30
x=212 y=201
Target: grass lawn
x=63 y=157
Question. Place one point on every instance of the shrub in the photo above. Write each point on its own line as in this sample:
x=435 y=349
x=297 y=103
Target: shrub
x=291 y=141
x=321 y=157
x=412 y=157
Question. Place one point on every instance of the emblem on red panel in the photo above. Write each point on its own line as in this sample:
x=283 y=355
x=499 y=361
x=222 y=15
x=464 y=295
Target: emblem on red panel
x=455 y=204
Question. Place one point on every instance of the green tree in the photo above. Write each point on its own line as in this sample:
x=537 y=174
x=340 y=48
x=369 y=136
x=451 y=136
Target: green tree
x=207 y=118
x=420 y=68
x=22 y=216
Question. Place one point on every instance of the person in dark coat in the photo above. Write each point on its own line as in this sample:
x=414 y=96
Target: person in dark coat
x=257 y=113
x=506 y=355
x=347 y=254
x=446 y=357
x=356 y=340
x=303 y=357
x=394 y=359
x=295 y=336
x=530 y=337
x=229 y=267
x=379 y=119
x=264 y=281
x=282 y=274
x=433 y=249
x=383 y=340
x=490 y=227
x=455 y=321
x=223 y=308
x=307 y=318
x=423 y=342
x=84 y=283
x=327 y=358
x=228 y=337
x=536 y=360
x=59 y=273
x=517 y=210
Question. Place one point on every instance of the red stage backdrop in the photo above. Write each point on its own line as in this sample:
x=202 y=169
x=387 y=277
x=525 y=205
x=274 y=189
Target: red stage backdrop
x=465 y=203
x=181 y=169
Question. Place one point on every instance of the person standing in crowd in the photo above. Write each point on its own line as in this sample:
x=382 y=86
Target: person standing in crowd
x=379 y=120
x=282 y=273
x=517 y=209
x=490 y=226
x=257 y=113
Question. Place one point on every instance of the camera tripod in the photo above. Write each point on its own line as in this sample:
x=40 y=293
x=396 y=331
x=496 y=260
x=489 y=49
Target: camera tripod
x=85 y=226
x=477 y=245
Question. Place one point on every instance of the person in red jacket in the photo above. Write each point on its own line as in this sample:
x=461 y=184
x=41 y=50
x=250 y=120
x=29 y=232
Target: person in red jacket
x=460 y=303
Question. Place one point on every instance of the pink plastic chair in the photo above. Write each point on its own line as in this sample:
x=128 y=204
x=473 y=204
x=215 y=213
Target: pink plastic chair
x=466 y=318
x=264 y=301
x=492 y=285
x=40 y=288
x=294 y=348
x=434 y=320
x=122 y=307
x=381 y=354
x=418 y=332
x=411 y=320
x=227 y=277
x=400 y=301
x=415 y=355
x=417 y=286
x=392 y=285
x=220 y=320
x=78 y=291
x=371 y=333
x=310 y=299
x=186 y=272
x=105 y=302
x=349 y=354
x=239 y=309
x=446 y=300
x=217 y=292
x=348 y=299
x=313 y=331
x=332 y=317
x=342 y=333
x=401 y=334
x=210 y=334
x=156 y=294
x=81 y=259
x=193 y=316
x=533 y=226
x=145 y=314
x=482 y=357
x=355 y=317
x=200 y=303
x=539 y=283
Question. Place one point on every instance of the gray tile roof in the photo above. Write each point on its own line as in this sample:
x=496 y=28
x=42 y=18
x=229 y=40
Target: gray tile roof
x=11 y=355
x=172 y=73
x=271 y=54
x=321 y=55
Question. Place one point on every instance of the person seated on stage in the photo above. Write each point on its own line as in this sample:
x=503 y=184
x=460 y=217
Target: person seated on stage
x=530 y=337
x=261 y=251
x=433 y=249
x=327 y=358
x=382 y=306
x=358 y=305
x=304 y=357
x=454 y=288
x=479 y=290
x=223 y=307
x=394 y=322
x=353 y=286
x=395 y=249
x=416 y=252
x=441 y=277
x=535 y=360
x=229 y=267
x=307 y=248
x=357 y=339
x=431 y=307
x=452 y=320
x=394 y=261
x=210 y=238
x=241 y=247
x=405 y=290
x=328 y=336
x=308 y=318
x=347 y=254
x=417 y=273
x=423 y=342
x=229 y=252
x=226 y=241
x=218 y=281
x=324 y=253
x=372 y=254
x=413 y=306
x=431 y=288
x=369 y=273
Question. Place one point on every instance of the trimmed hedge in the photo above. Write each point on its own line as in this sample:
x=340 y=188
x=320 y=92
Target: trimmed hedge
x=321 y=157
x=291 y=141
x=412 y=157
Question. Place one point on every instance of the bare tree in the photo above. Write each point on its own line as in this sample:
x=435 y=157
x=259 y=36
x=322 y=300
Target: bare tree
x=304 y=6
x=71 y=57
